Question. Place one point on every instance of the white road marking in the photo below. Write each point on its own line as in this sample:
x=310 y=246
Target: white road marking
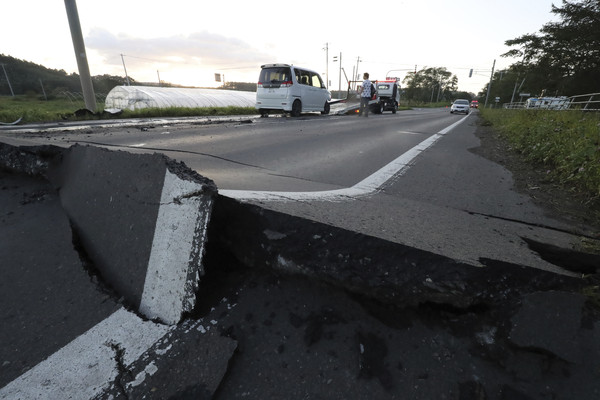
x=410 y=133
x=87 y=365
x=177 y=246
x=367 y=186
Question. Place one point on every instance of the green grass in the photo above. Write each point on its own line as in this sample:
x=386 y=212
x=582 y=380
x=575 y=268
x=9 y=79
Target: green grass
x=567 y=143
x=188 y=112
x=420 y=104
x=33 y=109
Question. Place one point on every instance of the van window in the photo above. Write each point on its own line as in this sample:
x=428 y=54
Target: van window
x=316 y=80
x=273 y=77
x=303 y=77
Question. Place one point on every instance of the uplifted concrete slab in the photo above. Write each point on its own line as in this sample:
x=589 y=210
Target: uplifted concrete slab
x=463 y=207
x=140 y=220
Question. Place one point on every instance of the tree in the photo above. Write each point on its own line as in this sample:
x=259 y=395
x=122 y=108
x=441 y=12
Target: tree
x=430 y=84
x=244 y=86
x=105 y=83
x=564 y=56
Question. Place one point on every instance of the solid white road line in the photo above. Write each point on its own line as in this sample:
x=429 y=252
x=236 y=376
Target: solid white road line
x=367 y=186
x=87 y=365
x=177 y=248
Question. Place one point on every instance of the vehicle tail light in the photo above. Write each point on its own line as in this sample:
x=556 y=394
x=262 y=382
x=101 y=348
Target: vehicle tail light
x=286 y=84
x=259 y=84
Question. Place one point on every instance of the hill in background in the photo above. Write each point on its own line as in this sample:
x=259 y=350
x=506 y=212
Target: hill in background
x=27 y=78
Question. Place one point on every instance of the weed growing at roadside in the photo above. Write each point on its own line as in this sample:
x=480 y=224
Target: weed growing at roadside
x=567 y=143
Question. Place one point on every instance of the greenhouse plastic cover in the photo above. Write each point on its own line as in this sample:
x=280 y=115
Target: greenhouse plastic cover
x=137 y=97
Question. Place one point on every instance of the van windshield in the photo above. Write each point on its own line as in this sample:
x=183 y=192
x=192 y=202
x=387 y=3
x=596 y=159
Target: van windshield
x=274 y=76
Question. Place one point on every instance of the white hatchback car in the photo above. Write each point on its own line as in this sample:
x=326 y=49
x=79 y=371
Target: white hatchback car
x=291 y=89
x=460 y=105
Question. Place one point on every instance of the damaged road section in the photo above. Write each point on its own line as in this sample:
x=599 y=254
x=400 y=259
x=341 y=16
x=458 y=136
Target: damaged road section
x=389 y=272
x=84 y=232
x=323 y=312
x=140 y=219
x=286 y=307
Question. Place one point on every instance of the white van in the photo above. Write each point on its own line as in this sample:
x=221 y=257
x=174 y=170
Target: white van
x=283 y=87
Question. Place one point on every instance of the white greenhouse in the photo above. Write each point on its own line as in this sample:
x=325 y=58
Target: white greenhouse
x=137 y=97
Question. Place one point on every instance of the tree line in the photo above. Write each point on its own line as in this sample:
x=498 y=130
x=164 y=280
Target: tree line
x=562 y=59
x=27 y=78
x=432 y=85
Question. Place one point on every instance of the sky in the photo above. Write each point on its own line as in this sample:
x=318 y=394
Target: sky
x=187 y=42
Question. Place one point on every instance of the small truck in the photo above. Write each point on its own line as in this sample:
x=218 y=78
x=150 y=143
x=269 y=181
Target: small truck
x=388 y=96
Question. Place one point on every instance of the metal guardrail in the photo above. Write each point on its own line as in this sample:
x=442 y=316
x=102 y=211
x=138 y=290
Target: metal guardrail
x=589 y=101
x=582 y=102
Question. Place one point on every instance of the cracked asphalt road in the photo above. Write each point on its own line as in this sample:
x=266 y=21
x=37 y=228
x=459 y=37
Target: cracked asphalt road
x=268 y=324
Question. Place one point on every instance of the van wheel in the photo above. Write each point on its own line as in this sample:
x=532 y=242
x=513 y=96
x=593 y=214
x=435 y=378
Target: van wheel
x=395 y=108
x=326 y=108
x=264 y=114
x=381 y=107
x=296 y=108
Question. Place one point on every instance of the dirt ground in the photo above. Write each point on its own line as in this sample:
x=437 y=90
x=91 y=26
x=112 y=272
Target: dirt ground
x=559 y=202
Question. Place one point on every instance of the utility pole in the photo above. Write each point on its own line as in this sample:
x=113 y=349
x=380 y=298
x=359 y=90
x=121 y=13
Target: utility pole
x=43 y=90
x=8 y=80
x=326 y=48
x=340 y=78
x=489 y=85
x=336 y=59
x=125 y=68
x=80 y=55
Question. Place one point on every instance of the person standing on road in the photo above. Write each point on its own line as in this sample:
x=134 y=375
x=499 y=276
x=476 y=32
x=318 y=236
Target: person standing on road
x=365 y=95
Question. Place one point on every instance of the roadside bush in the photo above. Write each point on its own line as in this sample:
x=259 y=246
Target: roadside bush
x=566 y=142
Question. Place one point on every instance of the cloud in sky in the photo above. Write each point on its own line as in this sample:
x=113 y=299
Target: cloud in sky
x=205 y=50
x=188 y=41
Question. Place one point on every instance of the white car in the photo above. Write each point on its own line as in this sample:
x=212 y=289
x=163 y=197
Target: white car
x=459 y=106
x=291 y=89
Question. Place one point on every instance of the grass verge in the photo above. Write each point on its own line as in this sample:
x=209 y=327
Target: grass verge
x=567 y=143
x=32 y=110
